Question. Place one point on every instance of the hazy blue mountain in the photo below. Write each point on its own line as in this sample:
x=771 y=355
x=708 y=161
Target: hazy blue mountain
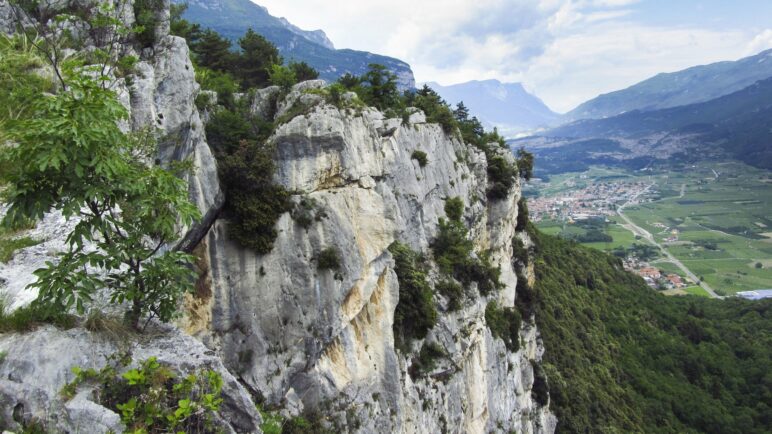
x=232 y=18
x=692 y=85
x=507 y=106
x=738 y=125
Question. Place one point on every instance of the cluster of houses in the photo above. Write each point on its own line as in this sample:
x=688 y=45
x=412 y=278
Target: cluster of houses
x=654 y=277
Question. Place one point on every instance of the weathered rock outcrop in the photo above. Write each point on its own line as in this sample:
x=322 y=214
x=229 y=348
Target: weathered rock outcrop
x=37 y=365
x=311 y=339
x=303 y=338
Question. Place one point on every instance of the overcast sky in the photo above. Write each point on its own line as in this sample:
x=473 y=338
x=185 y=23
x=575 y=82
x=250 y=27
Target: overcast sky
x=565 y=51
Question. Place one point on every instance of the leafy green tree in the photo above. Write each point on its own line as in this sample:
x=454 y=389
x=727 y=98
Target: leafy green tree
x=303 y=71
x=282 y=76
x=70 y=155
x=255 y=61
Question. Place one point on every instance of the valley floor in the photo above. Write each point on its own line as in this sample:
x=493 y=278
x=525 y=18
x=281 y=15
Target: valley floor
x=709 y=223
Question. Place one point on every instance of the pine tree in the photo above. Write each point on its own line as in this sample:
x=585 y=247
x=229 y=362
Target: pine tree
x=257 y=56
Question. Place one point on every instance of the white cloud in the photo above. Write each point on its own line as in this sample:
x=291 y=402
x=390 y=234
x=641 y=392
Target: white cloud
x=566 y=50
x=761 y=42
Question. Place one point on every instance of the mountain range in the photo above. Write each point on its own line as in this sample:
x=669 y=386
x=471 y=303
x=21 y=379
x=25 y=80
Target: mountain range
x=232 y=18
x=689 y=86
x=722 y=110
x=507 y=106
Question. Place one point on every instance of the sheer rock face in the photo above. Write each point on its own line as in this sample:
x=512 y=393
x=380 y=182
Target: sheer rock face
x=310 y=339
x=321 y=340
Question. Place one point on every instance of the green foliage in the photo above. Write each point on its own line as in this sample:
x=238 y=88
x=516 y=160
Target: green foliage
x=146 y=13
x=303 y=71
x=221 y=82
x=380 y=87
x=435 y=109
x=27 y=318
x=282 y=76
x=180 y=27
x=525 y=164
x=519 y=251
x=622 y=358
x=426 y=360
x=306 y=212
x=255 y=61
x=454 y=293
x=254 y=203
x=93 y=171
x=151 y=398
x=18 y=87
x=541 y=387
x=212 y=51
x=10 y=244
x=328 y=259
x=504 y=323
x=415 y=313
x=522 y=214
x=454 y=208
x=501 y=176
x=455 y=257
x=421 y=157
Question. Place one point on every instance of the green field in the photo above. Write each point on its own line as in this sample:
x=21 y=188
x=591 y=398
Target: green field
x=723 y=221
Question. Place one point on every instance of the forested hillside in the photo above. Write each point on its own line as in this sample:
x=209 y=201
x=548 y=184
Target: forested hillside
x=622 y=358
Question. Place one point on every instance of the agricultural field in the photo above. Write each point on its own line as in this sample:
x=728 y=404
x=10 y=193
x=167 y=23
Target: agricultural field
x=716 y=218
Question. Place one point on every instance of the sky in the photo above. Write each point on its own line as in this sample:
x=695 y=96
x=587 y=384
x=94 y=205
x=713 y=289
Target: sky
x=564 y=51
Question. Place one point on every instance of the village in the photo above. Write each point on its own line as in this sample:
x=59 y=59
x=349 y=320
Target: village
x=597 y=200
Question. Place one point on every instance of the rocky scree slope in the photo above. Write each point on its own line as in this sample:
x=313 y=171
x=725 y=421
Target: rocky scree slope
x=301 y=338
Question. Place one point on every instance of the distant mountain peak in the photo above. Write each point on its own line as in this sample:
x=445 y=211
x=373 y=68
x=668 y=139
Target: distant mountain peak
x=507 y=106
x=232 y=18
x=672 y=89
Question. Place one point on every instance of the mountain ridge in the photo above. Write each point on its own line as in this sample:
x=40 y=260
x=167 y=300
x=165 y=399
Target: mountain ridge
x=232 y=18
x=688 y=86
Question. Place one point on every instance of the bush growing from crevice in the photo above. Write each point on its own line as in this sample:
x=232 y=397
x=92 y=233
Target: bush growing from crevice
x=501 y=176
x=152 y=398
x=541 y=388
x=454 y=255
x=454 y=208
x=504 y=324
x=426 y=360
x=524 y=295
x=519 y=251
x=522 y=215
x=421 y=157
x=328 y=259
x=453 y=292
x=307 y=211
x=415 y=313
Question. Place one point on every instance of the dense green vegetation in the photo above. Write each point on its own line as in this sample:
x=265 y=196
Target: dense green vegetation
x=504 y=323
x=622 y=358
x=454 y=252
x=91 y=171
x=416 y=312
x=151 y=397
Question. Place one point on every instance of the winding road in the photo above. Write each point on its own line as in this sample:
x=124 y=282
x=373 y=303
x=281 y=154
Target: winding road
x=643 y=233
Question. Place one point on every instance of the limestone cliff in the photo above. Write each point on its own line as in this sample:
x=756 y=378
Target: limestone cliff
x=309 y=339
x=301 y=338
